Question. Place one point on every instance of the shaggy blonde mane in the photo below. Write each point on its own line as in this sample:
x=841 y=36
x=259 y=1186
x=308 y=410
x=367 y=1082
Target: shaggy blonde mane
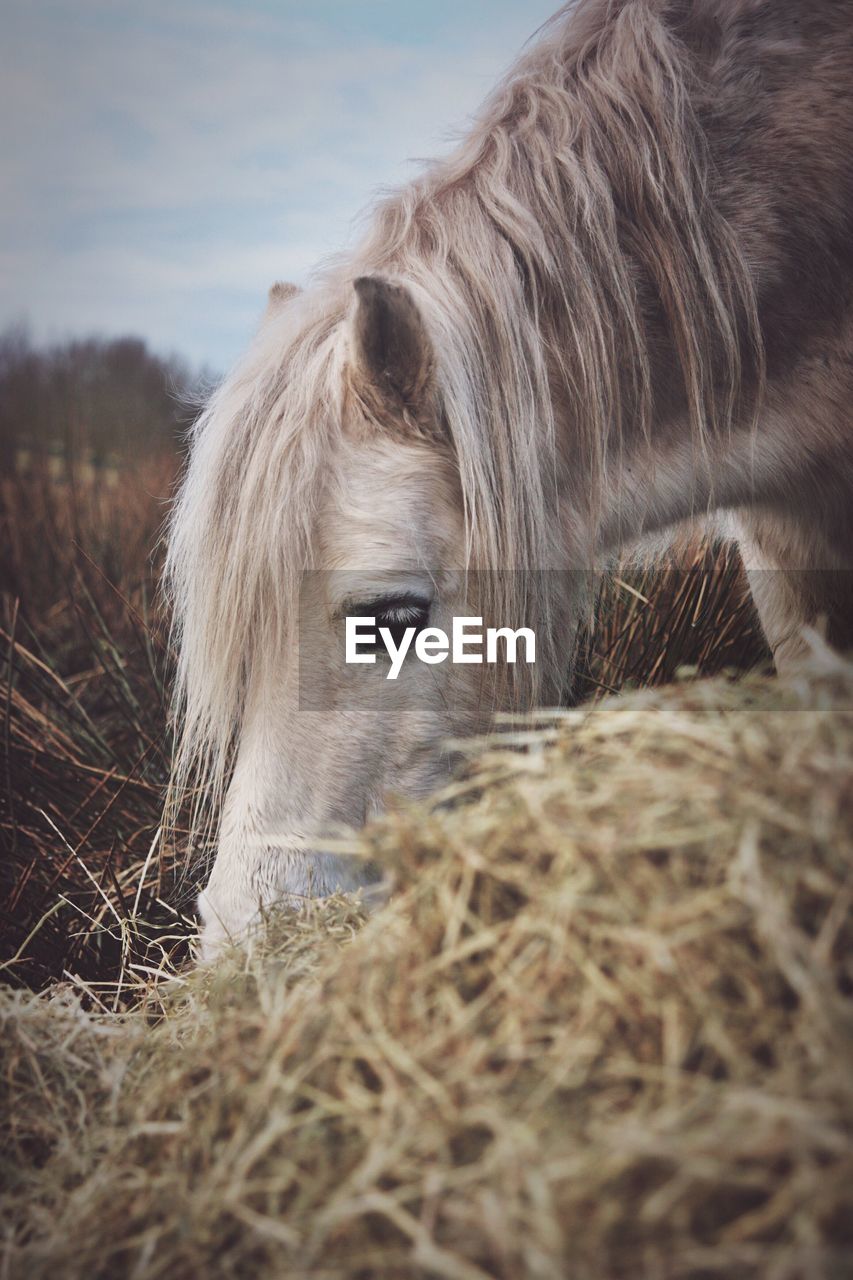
x=581 y=192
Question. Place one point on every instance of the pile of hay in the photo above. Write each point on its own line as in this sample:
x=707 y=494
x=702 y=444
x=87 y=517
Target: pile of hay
x=602 y=1030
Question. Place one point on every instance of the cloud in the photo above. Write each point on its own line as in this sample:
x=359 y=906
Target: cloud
x=165 y=163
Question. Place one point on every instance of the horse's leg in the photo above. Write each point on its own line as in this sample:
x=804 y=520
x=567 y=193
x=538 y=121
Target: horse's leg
x=796 y=582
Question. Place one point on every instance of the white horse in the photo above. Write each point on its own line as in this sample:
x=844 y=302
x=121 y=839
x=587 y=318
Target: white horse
x=624 y=300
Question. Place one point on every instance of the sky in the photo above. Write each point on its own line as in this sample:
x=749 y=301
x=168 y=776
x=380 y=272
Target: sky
x=163 y=163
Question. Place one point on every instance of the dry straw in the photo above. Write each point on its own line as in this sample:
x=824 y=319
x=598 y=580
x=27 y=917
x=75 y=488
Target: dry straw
x=603 y=1029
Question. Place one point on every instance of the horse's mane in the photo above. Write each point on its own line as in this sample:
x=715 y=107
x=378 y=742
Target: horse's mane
x=581 y=190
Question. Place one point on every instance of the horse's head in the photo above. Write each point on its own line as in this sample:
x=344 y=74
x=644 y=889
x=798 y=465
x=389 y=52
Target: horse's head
x=325 y=483
x=387 y=542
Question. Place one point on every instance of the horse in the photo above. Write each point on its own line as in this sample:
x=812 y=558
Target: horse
x=622 y=302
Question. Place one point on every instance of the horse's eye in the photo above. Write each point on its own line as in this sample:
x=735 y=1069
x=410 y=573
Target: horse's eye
x=397 y=614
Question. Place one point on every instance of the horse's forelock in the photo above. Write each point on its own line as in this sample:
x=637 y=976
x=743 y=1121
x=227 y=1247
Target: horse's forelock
x=240 y=530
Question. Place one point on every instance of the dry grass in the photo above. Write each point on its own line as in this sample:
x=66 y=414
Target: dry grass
x=602 y=1030
x=85 y=880
x=691 y=609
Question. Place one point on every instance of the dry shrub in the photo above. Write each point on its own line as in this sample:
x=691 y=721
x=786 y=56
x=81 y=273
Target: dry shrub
x=602 y=1030
x=84 y=880
x=688 y=606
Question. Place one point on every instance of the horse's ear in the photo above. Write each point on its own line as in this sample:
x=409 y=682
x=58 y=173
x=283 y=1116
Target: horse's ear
x=280 y=293
x=391 y=348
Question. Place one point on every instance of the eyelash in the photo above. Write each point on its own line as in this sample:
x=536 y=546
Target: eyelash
x=397 y=615
x=403 y=615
